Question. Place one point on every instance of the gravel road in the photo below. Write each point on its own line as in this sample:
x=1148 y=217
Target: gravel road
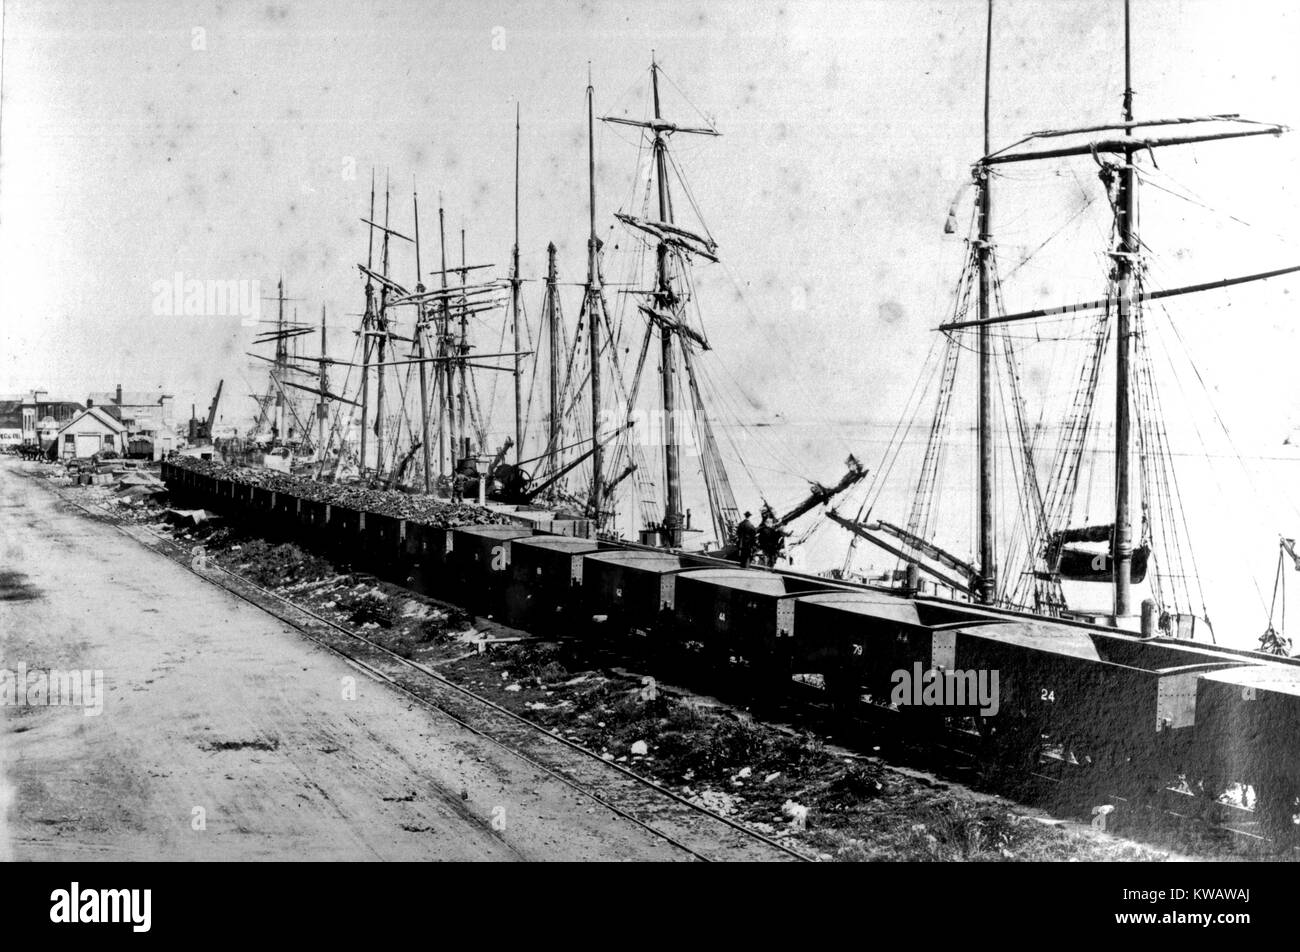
x=224 y=735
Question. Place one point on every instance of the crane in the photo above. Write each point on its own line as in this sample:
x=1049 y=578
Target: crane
x=968 y=574
x=201 y=430
x=395 y=477
x=518 y=486
x=212 y=409
x=819 y=495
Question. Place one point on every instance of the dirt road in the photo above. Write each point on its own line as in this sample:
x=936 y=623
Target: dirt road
x=226 y=736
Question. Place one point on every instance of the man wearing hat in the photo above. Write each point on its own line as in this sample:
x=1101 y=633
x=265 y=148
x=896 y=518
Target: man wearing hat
x=746 y=537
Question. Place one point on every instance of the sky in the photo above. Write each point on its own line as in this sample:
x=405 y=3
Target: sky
x=148 y=141
x=234 y=142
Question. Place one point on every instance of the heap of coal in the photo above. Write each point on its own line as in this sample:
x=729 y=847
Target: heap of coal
x=387 y=502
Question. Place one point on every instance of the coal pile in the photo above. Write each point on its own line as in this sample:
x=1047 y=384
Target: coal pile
x=386 y=502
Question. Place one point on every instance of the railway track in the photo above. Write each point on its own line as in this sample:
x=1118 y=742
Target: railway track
x=954 y=757
x=695 y=830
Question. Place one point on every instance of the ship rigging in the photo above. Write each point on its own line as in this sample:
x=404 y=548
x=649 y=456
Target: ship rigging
x=1146 y=537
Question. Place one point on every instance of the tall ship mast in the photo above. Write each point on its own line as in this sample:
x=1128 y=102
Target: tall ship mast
x=1145 y=542
x=663 y=307
x=413 y=407
x=676 y=421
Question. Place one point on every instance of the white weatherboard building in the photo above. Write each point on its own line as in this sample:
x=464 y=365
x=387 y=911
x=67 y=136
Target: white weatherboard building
x=89 y=432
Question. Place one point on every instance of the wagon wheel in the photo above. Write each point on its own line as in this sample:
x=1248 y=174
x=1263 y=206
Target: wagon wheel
x=661 y=647
x=1092 y=769
x=1120 y=771
x=843 y=691
x=717 y=655
x=1145 y=781
x=925 y=726
x=1208 y=786
x=769 y=678
x=1009 y=747
x=1278 y=806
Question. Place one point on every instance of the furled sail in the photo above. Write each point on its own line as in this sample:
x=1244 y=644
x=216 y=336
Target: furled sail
x=1075 y=562
x=671 y=234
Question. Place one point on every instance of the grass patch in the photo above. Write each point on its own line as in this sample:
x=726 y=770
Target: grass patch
x=538 y=664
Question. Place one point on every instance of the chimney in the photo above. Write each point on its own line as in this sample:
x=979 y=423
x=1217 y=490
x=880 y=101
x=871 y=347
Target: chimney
x=119 y=394
x=90 y=402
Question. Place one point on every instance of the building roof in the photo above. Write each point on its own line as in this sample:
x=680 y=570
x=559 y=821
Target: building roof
x=130 y=398
x=31 y=397
x=99 y=415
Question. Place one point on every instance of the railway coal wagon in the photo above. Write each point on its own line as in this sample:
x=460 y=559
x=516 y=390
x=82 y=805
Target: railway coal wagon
x=744 y=616
x=545 y=586
x=344 y=534
x=858 y=641
x=224 y=493
x=382 y=544
x=425 y=550
x=1248 y=732
x=478 y=563
x=631 y=588
x=262 y=502
x=1119 y=706
x=313 y=520
x=285 y=509
x=241 y=497
x=1131 y=714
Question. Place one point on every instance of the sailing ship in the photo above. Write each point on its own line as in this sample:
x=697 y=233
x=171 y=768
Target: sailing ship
x=592 y=439
x=606 y=452
x=286 y=425
x=661 y=308
x=1144 y=545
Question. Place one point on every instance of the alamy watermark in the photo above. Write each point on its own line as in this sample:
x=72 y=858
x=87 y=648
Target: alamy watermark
x=942 y=687
x=183 y=296
x=40 y=687
x=79 y=905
